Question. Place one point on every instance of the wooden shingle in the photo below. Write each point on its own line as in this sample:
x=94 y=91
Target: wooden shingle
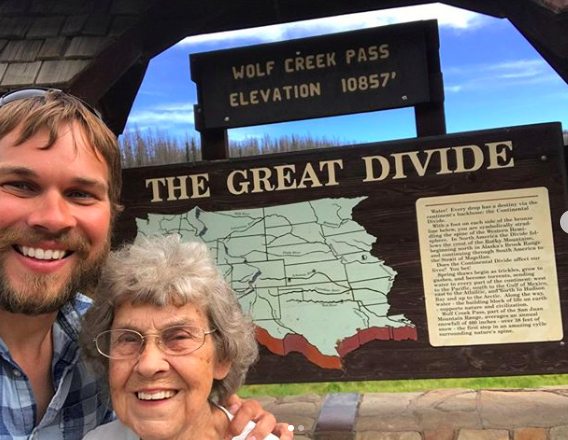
x=3 y=67
x=14 y=27
x=42 y=7
x=44 y=27
x=86 y=47
x=74 y=24
x=21 y=50
x=21 y=74
x=52 y=48
x=74 y=6
x=59 y=72
x=9 y=7
x=97 y=24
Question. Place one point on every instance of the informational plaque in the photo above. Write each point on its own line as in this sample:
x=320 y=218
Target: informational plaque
x=489 y=268
x=430 y=257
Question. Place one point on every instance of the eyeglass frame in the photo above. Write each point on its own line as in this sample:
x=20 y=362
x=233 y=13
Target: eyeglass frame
x=33 y=92
x=160 y=343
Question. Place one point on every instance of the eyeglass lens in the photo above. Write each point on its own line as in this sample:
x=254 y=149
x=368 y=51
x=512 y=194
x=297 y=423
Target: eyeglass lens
x=125 y=343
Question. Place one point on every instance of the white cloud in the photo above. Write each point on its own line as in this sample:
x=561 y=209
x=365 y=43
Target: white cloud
x=163 y=115
x=452 y=89
x=519 y=68
x=175 y=107
x=447 y=16
x=505 y=74
x=247 y=133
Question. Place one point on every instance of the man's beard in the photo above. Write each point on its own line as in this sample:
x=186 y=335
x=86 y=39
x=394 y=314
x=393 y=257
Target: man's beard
x=38 y=294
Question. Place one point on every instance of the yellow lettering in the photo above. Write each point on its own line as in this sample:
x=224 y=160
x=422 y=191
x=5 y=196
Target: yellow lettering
x=398 y=166
x=284 y=177
x=369 y=169
x=172 y=187
x=460 y=158
x=331 y=165
x=254 y=97
x=243 y=186
x=260 y=180
x=309 y=175
x=444 y=167
x=494 y=155
x=199 y=185
x=155 y=183
x=373 y=53
x=233 y=99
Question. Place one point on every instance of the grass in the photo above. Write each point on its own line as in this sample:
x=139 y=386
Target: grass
x=401 y=386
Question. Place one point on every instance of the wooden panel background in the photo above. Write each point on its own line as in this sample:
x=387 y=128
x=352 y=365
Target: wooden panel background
x=389 y=214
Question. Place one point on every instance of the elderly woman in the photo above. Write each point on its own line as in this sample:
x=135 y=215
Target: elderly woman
x=169 y=334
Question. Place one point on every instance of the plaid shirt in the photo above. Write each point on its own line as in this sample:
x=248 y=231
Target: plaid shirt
x=80 y=402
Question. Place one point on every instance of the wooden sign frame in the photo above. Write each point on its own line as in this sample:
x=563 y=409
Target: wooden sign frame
x=416 y=207
x=351 y=72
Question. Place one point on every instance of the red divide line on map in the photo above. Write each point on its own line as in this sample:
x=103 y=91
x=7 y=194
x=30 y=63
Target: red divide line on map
x=298 y=343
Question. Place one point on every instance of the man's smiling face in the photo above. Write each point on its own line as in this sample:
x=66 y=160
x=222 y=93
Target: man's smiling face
x=54 y=220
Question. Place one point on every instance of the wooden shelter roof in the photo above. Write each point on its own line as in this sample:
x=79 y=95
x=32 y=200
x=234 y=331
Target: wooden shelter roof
x=100 y=49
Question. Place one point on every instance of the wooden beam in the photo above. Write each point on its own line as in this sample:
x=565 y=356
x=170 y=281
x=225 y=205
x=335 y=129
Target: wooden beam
x=546 y=30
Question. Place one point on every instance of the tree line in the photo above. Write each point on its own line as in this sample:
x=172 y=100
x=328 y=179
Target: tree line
x=155 y=147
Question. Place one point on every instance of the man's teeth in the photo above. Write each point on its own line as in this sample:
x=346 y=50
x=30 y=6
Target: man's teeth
x=42 y=254
x=156 y=396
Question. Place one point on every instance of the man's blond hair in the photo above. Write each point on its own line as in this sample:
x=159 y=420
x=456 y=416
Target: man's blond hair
x=55 y=109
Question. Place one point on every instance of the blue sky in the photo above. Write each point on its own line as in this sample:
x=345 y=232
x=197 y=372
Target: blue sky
x=492 y=77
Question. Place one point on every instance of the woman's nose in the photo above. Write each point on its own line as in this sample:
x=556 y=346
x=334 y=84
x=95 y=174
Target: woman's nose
x=152 y=359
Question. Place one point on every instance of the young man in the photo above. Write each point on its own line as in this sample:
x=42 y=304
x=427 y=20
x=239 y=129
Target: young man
x=60 y=181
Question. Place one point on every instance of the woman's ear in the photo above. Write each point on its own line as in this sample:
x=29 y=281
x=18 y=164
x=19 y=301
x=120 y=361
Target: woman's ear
x=221 y=369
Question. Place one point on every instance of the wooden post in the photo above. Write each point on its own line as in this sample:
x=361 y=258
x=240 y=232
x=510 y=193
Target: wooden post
x=214 y=144
x=430 y=119
x=214 y=141
x=431 y=116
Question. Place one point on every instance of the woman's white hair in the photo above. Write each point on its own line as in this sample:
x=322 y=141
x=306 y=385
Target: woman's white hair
x=164 y=271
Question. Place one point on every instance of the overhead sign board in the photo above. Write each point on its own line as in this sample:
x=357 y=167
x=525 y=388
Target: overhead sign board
x=372 y=69
x=434 y=257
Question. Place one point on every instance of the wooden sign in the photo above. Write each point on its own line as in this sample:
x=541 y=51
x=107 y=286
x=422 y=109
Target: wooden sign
x=372 y=69
x=434 y=257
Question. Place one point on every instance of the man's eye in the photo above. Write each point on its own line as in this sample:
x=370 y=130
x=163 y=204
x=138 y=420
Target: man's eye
x=80 y=195
x=24 y=186
x=18 y=188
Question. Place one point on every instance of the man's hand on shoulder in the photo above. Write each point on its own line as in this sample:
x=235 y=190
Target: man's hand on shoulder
x=247 y=410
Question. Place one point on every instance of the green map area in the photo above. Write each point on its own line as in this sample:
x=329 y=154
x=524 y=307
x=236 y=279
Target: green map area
x=299 y=269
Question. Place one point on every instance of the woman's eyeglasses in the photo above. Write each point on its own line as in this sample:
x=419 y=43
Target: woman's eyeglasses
x=129 y=344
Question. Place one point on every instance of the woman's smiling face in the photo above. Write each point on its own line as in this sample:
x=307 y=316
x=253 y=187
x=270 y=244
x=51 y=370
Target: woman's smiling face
x=161 y=396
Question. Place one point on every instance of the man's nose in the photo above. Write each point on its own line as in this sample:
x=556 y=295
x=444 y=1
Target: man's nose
x=52 y=213
x=152 y=359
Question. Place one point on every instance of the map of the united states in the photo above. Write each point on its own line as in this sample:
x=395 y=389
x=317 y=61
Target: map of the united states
x=304 y=271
